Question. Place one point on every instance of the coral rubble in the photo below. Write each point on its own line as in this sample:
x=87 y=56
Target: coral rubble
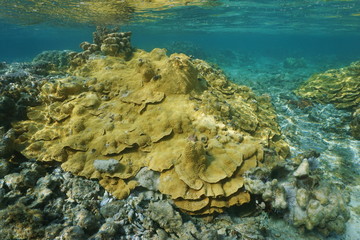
x=306 y=200
x=174 y=115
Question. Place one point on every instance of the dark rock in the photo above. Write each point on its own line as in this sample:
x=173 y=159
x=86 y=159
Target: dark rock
x=110 y=209
x=87 y=221
x=6 y=142
x=72 y=233
x=355 y=124
x=80 y=189
x=165 y=215
x=4 y=167
x=17 y=181
x=3 y=65
x=20 y=222
x=53 y=230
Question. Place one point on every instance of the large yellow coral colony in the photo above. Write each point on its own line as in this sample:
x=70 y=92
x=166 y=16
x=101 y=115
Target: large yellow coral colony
x=338 y=86
x=174 y=115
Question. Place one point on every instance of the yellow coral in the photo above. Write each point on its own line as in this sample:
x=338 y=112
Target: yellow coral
x=173 y=115
x=338 y=86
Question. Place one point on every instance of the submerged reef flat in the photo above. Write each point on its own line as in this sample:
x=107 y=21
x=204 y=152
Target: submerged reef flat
x=176 y=117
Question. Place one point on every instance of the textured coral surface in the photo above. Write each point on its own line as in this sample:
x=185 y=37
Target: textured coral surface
x=338 y=86
x=174 y=115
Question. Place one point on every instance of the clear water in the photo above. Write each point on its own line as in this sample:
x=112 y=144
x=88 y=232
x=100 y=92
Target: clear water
x=249 y=40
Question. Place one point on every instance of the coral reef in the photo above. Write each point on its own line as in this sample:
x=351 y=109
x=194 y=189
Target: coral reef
x=19 y=88
x=106 y=41
x=176 y=116
x=41 y=201
x=307 y=201
x=57 y=60
x=338 y=86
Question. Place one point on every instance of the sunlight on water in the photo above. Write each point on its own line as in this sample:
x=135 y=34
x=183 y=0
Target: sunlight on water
x=204 y=15
x=87 y=11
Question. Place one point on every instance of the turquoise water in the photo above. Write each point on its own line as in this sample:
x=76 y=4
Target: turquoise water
x=275 y=28
x=249 y=40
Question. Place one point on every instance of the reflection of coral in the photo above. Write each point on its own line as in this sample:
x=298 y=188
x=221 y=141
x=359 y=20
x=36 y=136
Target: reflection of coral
x=173 y=115
x=338 y=86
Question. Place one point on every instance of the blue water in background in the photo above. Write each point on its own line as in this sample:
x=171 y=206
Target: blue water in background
x=22 y=43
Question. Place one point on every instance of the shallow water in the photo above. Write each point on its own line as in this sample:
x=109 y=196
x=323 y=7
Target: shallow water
x=249 y=40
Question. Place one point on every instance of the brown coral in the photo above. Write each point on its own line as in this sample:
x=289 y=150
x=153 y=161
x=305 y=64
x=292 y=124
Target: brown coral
x=173 y=115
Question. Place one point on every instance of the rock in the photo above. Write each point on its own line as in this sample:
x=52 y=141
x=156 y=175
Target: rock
x=107 y=166
x=6 y=142
x=299 y=216
x=87 y=221
x=110 y=209
x=110 y=228
x=72 y=233
x=4 y=167
x=302 y=197
x=52 y=231
x=20 y=222
x=303 y=169
x=315 y=213
x=2 y=194
x=3 y=65
x=17 y=181
x=80 y=189
x=255 y=186
x=161 y=235
x=165 y=215
x=147 y=179
x=322 y=195
x=279 y=201
x=355 y=124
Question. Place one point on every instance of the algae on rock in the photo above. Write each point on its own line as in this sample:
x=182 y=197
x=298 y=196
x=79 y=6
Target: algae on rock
x=173 y=115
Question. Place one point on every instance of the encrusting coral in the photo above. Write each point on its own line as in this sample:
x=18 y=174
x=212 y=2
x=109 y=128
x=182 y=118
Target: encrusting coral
x=173 y=115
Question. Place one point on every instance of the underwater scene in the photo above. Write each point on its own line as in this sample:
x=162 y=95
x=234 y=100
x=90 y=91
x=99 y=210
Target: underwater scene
x=188 y=120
